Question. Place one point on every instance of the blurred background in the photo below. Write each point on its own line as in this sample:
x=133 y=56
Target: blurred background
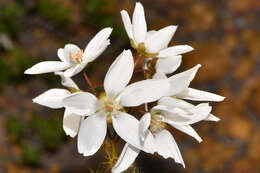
x=226 y=38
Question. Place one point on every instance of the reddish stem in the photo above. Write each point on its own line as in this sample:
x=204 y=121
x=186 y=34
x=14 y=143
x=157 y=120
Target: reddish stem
x=89 y=83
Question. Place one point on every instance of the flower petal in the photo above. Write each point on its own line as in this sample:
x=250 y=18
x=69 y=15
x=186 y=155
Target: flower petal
x=127 y=24
x=74 y=69
x=172 y=115
x=181 y=81
x=99 y=42
x=144 y=125
x=82 y=103
x=47 y=67
x=160 y=39
x=174 y=50
x=92 y=133
x=159 y=75
x=175 y=103
x=119 y=73
x=144 y=91
x=126 y=158
x=198 y=95
x=52 y=98
x=188 y=130
x=127 y=127
x=71 y=122
x=212 y=117
x=66 y=81
x=139 y=24
x=168 y=65
x=179 y=116
x=61 y=55
x=167 y=147
x=70 y=50
x=150 y=34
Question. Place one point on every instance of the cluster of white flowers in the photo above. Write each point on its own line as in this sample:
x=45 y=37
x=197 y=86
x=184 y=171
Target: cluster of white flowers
x=87 y=114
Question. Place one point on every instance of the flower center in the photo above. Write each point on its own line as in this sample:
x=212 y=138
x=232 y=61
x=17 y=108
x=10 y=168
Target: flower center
x=156 y=123
x=111 y=106
x=77 y=56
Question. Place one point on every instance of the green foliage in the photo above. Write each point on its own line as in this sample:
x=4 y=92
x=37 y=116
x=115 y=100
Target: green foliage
x=101 y=14
x=50 y=131
x=30 y=155
x=12 y=66
x=53 y=10
x=9 y=14
x=15 y=129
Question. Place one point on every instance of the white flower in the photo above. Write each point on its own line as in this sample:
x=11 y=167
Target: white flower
x=110 y=106
x=175 y=112
x=151 y=43
x=180 y=117
x=53 y=99
x=73 y=59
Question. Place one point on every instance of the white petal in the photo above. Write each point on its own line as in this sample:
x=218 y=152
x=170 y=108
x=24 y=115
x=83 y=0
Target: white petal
x=61 y=55
x=168 y=65
x=92 y=133
x=126 y=158
x=66 y=81
x=150 y=34
x=159 y=75
x=70 y=49
x=52 y=98
x=172 y=115
x=139 y=24
x=160 y=39
x=47 y=67
x=179 y=116
x=181 y=81
x=74 y=69
x=174 y=102
x=144 y=125
x=100 y=41
x=82 y=103
x=71 y=122
x=198 y=95
x=127 y=23
x=174 y=50
x=188 y=130
x=167 y=147
x=212 y=117
x=98 y=52
x=144 y=91
x=200 y=112
x=119 y=74
x=127 y=127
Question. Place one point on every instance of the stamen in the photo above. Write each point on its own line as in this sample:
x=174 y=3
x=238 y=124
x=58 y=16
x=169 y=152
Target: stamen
x=78 y=56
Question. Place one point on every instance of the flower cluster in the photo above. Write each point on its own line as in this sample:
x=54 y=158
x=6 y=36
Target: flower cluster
x=88 y=114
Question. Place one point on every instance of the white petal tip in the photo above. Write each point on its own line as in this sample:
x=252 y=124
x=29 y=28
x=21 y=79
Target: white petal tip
x=35 y=100
x=108 y=30
x=221 y=98
x=69 y=132
x=123 y=11
x=216 y=119
x=198 y=65
x=28 y=71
